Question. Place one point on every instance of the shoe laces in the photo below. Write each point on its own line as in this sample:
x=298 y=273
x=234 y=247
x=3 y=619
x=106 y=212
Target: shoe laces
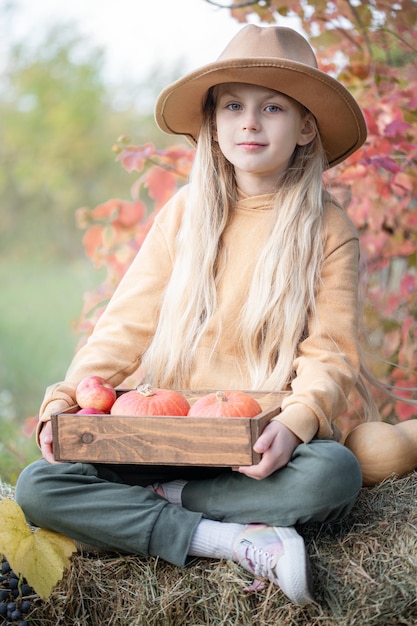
x=261 y=562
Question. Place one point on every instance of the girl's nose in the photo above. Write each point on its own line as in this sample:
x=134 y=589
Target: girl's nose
x=250 y=121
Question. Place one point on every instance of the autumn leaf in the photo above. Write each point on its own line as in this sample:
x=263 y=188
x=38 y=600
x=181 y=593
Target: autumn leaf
x=161 y=183
x=92 y=240
x=106 y=210
x=130 y=213
x=134 y=157
x=40 y=556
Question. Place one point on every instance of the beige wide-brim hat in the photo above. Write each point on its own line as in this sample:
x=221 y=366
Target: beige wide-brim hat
x=277 y=58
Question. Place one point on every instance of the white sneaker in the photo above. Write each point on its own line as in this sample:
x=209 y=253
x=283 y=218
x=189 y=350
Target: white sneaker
x=277 y=554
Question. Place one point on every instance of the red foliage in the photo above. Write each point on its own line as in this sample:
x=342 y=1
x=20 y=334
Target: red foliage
x=115 y=229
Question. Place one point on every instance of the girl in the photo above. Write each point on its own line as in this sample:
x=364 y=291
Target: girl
x=247 y=280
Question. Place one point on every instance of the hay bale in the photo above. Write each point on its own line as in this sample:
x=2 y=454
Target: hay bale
x=365 y=572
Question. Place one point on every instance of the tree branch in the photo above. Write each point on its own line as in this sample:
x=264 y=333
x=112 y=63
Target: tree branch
x=239 y=5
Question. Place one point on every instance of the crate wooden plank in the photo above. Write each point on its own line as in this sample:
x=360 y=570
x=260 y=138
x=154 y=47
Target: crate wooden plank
x=162 y=440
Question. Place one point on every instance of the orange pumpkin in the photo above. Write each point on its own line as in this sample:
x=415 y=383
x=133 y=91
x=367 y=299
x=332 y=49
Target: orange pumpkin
x=384 y=450
x=148 y=400
x=225 y=404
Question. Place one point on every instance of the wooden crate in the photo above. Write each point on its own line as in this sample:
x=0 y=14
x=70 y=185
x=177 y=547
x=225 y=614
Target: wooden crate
x=163 y=440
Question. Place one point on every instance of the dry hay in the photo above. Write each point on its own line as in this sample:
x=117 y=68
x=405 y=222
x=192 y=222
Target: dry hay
x=365 y=572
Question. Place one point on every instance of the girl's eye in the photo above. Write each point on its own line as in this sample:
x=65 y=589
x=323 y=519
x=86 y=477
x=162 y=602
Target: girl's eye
x=273 y=108
x=234 y=106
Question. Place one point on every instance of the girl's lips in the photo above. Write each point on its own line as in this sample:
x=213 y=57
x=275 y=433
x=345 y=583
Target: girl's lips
x=251 y=146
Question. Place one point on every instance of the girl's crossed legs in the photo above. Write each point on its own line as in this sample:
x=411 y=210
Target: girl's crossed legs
x=109 y=506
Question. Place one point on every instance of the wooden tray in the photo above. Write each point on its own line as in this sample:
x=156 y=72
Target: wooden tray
x=163 y=440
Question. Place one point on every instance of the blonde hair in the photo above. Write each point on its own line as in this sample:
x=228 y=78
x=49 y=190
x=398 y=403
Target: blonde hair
x=282 y=290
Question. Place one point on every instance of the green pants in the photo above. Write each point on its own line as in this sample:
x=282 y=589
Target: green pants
x=107 y=505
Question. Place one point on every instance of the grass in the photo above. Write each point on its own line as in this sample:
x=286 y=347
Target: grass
x=364 y=569
x=39 y=302
x=40 y=298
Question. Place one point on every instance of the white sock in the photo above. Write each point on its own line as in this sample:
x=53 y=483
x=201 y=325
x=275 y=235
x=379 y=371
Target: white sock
x=173 y=490
x=214 y=539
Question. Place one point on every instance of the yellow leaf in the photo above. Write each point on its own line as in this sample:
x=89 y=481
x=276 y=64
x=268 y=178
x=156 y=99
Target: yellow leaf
x=40 y=556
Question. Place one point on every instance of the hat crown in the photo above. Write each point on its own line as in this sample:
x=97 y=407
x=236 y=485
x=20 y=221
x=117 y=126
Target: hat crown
x=274 y=42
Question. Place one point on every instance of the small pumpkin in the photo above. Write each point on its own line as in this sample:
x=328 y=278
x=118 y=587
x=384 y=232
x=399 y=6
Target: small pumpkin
x=148 y=400
x=384 y=450
x=225 y=404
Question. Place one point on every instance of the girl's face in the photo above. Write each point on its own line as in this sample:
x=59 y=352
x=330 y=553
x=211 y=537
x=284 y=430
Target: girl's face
x=257 y=130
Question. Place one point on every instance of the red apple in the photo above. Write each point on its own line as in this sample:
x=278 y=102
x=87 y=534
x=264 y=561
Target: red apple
x=90 y=411
x=95 y=392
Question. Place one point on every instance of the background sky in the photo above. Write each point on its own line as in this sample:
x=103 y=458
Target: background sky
x=136 y=34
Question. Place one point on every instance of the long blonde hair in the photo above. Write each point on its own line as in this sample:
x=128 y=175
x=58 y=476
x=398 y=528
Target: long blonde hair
x=282 y=290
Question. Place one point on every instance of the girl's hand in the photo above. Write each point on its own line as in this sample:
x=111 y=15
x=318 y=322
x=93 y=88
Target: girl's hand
x=276 y=444
x=46 y=443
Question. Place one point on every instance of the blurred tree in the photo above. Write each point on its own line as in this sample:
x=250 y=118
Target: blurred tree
x=58 y=122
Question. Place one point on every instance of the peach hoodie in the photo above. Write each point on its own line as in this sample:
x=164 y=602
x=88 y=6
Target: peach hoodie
x=327 y=364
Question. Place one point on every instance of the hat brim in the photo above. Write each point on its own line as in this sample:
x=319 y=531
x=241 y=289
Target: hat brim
x=340 y=121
